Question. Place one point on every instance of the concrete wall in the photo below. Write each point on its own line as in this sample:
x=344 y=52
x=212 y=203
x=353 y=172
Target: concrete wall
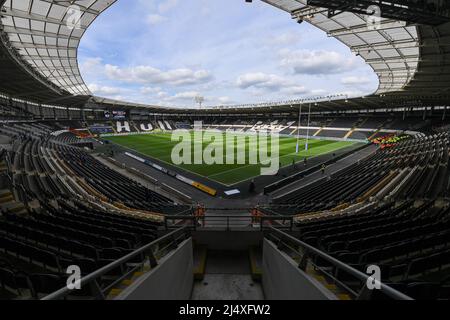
x=172 y=279
x=228 y=240
x=283 y=280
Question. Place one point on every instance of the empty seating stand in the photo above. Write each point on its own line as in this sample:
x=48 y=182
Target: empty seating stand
x=427 y=158
x=60 y=230
x=71 y=234
x=409 y=242
x=34 y=160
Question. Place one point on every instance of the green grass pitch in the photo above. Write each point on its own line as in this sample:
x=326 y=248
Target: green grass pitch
x=159 y=146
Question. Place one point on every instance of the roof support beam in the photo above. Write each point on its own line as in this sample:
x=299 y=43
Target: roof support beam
x=388 y=24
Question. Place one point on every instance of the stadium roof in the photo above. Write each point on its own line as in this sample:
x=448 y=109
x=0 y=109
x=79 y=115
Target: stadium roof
x=47 y=33
x=392 y=49
x=409 y=59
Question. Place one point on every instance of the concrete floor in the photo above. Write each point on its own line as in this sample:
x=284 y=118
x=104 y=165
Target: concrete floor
x=227 y=278
x=227 y=287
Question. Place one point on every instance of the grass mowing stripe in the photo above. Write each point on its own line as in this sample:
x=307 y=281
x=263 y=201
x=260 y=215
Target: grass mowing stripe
x=282 y=166
x=159 y=146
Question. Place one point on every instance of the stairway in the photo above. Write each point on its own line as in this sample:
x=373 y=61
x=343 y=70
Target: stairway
x=294 y=132
x=324 y=281
x=6 y=196
x=318 y=132
x=9 y=204
x=86 y=125
x=7 y=200
x=133 y=124
x=329 y=285
x=2 y=166
x=349 y=134
x=119 y=288
x=361 y=123
x=228 y=276
x=113 y=127
x=373 y=135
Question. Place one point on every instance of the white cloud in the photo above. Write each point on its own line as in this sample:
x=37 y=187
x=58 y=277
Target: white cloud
x=351 y=93
x=188 y=95
x=225 y=61
x=260 y=80
x=188 y=98
x=316 y=62
x=319 y=92
x=163 y=8
x=91 y=66
x=90 y=63
x=296 y=90
x=151 y=75
x=282 y=39
x=104 y=90
x=162 y=94
x=154 y=19
x=184 y=96
x=267 y=83
x=150 y=90
x=224 y=100
x=355 y=80
x=167 y=5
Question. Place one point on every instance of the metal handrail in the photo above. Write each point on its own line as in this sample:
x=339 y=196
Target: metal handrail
x=308 y=250
x=227 y=220
x=147 y=250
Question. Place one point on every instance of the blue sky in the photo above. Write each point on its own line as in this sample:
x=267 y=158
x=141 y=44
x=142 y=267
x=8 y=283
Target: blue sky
x=166 y=52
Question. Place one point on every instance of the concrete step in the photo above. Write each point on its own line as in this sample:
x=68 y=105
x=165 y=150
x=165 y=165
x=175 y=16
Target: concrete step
x=5 y=192
x=318 y=132
x=126 y=283
x=13 y=206
x=114 y=293
x=373 y=135
x=200 y=257
x=6 y=196
x=340 y=294
x=255 y=257
x=349 y=134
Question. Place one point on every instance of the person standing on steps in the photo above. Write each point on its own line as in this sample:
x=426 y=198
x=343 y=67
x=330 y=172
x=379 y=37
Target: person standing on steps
x=324 y=167
x=252 y=186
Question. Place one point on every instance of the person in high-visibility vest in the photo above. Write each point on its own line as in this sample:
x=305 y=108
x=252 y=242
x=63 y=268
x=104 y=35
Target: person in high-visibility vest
x=253 y=212
x=256 y=215
x=202 y=214
x=198 y=213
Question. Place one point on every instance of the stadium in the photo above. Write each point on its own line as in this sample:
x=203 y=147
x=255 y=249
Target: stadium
x=321 y=197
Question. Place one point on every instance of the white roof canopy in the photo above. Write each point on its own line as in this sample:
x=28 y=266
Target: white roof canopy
x=38 y=30
x=47 y=33
x=392 y=50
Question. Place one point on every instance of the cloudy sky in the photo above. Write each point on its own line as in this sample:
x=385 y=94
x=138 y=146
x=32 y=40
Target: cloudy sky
x=167 y=52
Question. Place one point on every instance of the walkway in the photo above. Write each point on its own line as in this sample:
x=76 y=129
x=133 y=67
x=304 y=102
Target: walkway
x=227 y=277
x=341 y=164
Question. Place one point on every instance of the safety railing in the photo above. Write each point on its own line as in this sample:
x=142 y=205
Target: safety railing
x=345 y=277
x=148 y=255
x=229 y=222
x=26 y=198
